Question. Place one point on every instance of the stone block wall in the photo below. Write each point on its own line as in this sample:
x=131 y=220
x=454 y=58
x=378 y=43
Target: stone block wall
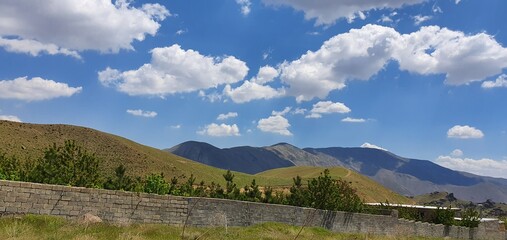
x=127 y=207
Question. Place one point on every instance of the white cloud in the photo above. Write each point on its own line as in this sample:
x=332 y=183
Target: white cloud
x=300 y=111
x=34 y=48
x=385 y=19
x=436 y=9
x=249 y=91
x=457 y=1
x=418 y=19
x=358 y=54
x=281 y=113
x=10 y=118
x=266 y=74
x=222 y=130
x=313 y=115
x=457 y=153
x=245 y=6
x=211 y=97
x=501 y=81
x=484 y=166
x=361 y=53
x=174 y=70
x=275 y=124
x=181 y=31
x=354 y=120
x=58 y=27
x=227 y=115
x=369 y=145
x=178 y=126
x=464 y=132
x=327 y=107
x=327 y=12
x=35 y=89
x=141 y=113
x=462 y=58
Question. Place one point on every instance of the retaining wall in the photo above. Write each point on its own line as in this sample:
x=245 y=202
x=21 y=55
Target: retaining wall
x=126 y=207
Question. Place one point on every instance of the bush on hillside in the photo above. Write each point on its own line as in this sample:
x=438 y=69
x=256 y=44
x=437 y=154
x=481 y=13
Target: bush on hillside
x=10 y=168
x=155 y=183
x=66 y=165
x=326 y=193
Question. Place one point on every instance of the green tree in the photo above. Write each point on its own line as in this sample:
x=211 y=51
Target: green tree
x=120 y=181
x=470 y=217
x=10 y=168
x=231 y=190
x=155 y=183
x=67 y=165
x=252 y=192
x=444 y=216
x=298 y=194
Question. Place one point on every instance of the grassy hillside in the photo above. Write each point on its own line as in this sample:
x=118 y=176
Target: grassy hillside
x=28 y=142
x=367 y=189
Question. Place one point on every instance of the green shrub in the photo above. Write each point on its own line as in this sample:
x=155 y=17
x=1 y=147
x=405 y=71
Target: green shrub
x=325 y=193
x=10 y=168
x=444 y=216
x=66 y=165
x=470 y=218
x=155 y=183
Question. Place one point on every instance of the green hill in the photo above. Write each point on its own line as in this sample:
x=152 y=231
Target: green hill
x=28 y=141
x=367 y=189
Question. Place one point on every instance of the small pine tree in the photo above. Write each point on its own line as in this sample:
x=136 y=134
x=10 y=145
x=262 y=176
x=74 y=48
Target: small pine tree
x=66 y=165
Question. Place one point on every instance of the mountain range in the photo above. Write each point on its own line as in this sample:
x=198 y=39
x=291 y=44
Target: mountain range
x=27 y=142
x=406 y=176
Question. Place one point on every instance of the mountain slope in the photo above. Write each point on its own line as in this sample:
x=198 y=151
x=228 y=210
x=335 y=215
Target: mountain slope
x=403 y=175
x=242 y=159
x=28 y=141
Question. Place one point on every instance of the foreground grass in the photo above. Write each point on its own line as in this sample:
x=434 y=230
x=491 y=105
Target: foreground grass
x=48 y=227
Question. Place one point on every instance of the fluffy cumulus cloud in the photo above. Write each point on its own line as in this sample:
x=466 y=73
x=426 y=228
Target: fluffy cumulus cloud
x=249 y=91
x=142 y=113
x=266 y=74
x=275 y=124
x=354 y=120
x=35 y=89
x=228 y=115
x=326 y=12
x=501 y=81
x=10 y=118
x=222 y=130
x=484 y=166
x=464 y=132
x=361 y=53
x=327 y=107
x=64 y=27
x=369 y=145
x=256 y=87
x=175 y=70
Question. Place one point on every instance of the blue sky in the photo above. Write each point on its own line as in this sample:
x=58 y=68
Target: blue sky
x=423 y=79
